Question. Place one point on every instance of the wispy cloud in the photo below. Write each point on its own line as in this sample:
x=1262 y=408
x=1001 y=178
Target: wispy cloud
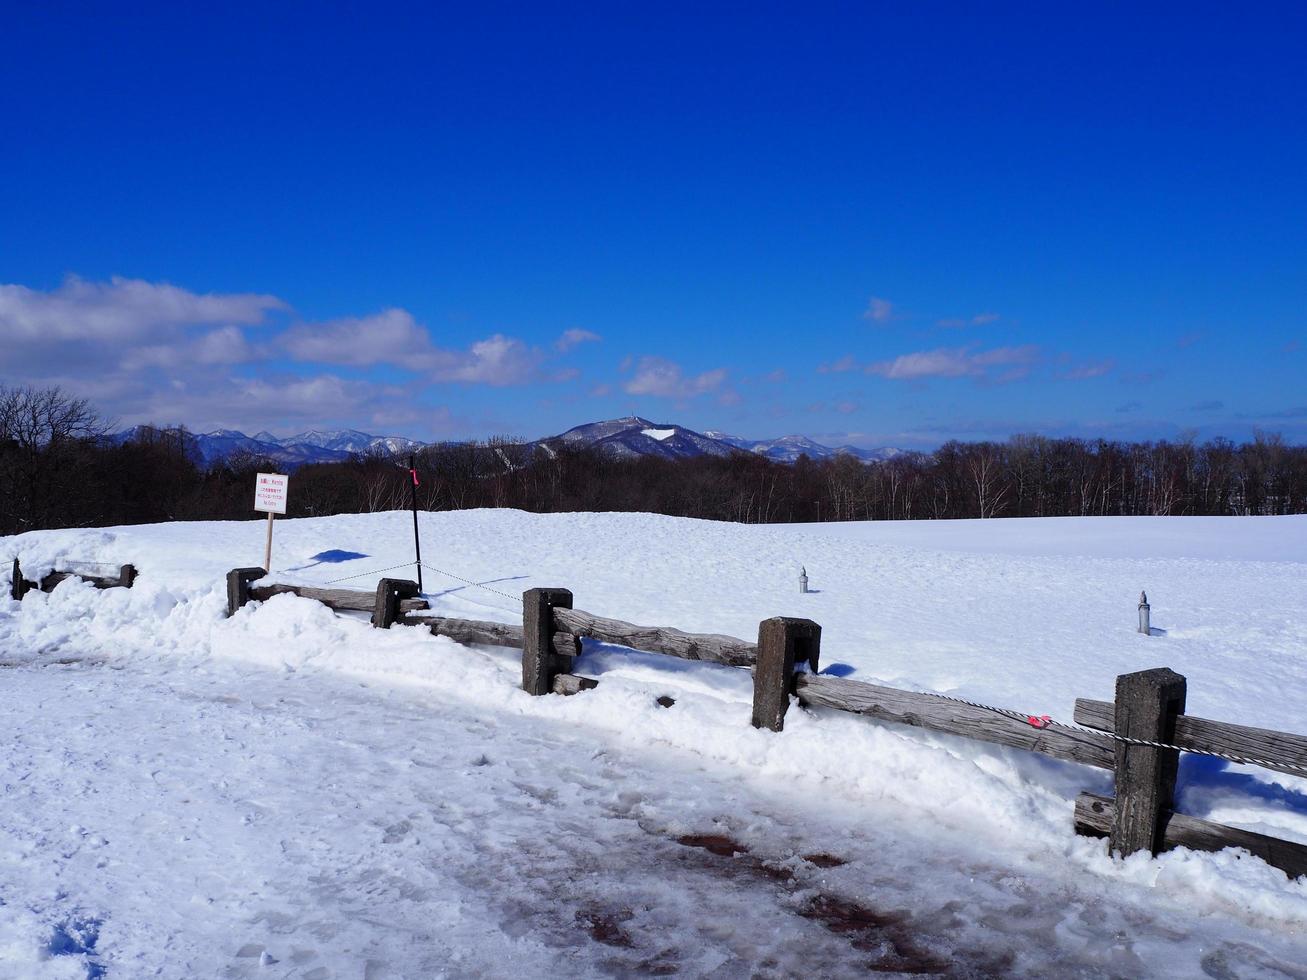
x=394 y=337
x=961 y=323
x=879 y=310
x=665 y=379
x=845 y=363
x=1093 y=369
x=999 y=363
x=575 y=336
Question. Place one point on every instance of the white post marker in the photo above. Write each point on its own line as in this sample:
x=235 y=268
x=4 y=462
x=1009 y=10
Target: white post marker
x=270 y=497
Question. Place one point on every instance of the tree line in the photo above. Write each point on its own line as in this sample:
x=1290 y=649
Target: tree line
x=60 y=467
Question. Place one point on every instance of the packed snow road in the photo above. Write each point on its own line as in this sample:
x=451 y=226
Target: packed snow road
x=290 y=793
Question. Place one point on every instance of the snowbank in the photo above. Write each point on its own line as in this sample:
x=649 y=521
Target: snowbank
x=169 y=725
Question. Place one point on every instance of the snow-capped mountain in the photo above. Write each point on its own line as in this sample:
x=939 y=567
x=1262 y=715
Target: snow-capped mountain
x=788 y=449
x=349 y=441
x=627 y=438
x=634 y=436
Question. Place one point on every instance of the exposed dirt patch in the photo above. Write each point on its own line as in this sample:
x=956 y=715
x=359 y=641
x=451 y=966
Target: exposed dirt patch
x=718 y=844
x=605 y=926
x=885 y=934
x=663 y=701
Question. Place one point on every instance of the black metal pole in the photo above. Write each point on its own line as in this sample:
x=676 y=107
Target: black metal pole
x=413 y=495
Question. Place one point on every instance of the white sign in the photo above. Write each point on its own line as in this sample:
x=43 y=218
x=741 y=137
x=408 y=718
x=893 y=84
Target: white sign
x=270 y=493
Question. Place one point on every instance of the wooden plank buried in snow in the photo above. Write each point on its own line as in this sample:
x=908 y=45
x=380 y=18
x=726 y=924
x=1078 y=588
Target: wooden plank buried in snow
x=936 y=714
x=470 y=631
x=1094 y=816
x=711 y=647
x=335 y=598
x=124 y=579
x=1280 y=751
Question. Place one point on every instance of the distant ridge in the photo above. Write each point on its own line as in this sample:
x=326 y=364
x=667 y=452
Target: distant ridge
x=627 y=438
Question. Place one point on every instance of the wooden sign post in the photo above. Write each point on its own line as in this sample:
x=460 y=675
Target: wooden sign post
x=270 y=497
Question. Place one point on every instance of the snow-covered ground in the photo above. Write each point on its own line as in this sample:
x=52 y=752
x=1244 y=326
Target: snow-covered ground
x=291 y=793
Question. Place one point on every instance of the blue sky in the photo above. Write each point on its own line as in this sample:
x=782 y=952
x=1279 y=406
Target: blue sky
x=884 y=224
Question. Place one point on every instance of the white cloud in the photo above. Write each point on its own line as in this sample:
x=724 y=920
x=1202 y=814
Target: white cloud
x=121 y=310
x=389 y=337
x=957 y=362
x=395 y=337
x=663 y=378
x=496 y=361
x=575 y=336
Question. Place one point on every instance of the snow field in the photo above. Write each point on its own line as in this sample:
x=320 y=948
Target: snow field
x=202 y=793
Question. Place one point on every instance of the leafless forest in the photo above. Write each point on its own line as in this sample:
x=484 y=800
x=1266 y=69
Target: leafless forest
x=59 y=467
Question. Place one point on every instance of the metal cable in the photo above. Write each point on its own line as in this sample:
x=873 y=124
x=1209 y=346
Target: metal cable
x=468 y=581
x=375 y=571
x=1051 y=723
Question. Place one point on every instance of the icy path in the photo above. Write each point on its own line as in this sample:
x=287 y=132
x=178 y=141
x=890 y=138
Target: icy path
x=196 y=822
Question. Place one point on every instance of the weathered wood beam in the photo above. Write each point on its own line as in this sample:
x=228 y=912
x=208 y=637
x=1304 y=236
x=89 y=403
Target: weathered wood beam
x=1281 y=751
x=1095 y=816
x=1147 y=705
x=390 y=593
x=335 y=598
x=782 y=642
x=540 y=664
x=48 y=583
x=568 y=684
x=238 y=587
x=711 y=647
x=470 y=631
x=925 y=711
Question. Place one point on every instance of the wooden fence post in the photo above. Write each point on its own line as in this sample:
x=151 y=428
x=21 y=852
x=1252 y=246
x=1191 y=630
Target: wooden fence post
x=782 y=642
x=1147 y=705
x=539 y=662
x=16 y=588
x=127 y=576
x=238 y=586
x=389 y=592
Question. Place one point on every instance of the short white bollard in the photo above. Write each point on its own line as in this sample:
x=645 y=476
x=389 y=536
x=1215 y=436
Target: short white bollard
x=1143 y=614
x=803 y=580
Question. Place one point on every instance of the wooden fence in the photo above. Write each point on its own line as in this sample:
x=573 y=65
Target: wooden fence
x=1138 y=736
x=19 y=586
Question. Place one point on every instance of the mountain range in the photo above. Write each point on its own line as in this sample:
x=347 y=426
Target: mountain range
x=626 y=437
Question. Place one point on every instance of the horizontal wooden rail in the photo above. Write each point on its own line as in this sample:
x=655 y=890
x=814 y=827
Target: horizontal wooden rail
x=1094 y=816
x=335 y=598
x=490 y=634
x=125 y=578
x=711 y=647
x=1279 y=750
x=936 y=714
